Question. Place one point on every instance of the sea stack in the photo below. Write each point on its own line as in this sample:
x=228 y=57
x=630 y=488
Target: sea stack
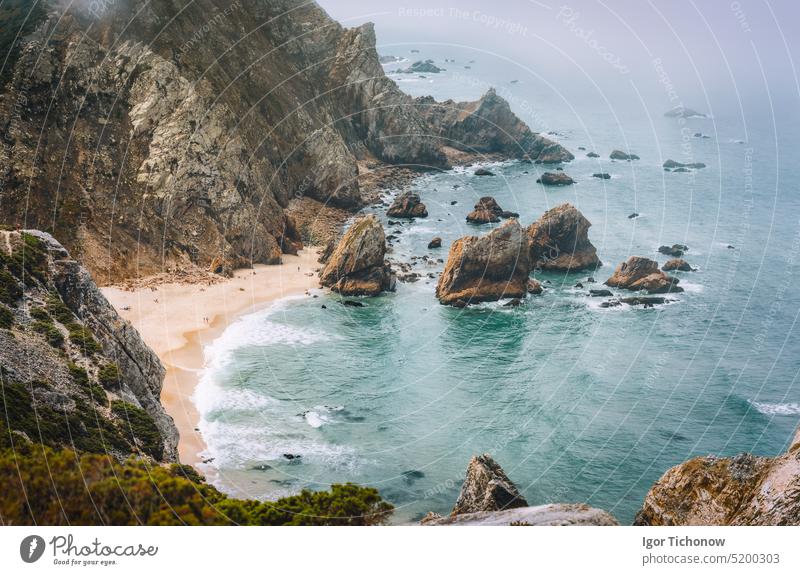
x=638 y=273
x=357 y=265
x=486 y=268
x=559 y=241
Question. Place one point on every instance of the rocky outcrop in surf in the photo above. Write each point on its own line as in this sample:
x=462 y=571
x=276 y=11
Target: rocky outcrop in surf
x=638 y=273
x=741 y=490
x=555 y=179
x=357 y=265
x=620 y=155
x=559 y=241
x=677 y=264
x=486 y=268
x=487 y=211
x=407 y=205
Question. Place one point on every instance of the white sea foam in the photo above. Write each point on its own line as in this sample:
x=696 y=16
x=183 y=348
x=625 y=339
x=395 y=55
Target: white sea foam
x=776 y=408
x=690 y=287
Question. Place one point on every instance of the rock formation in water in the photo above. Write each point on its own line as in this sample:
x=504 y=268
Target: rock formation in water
x=486 y=268
x=620 y=155
x=741 y=490
x=488 y=497
x=186 y=143
x=74 y=373
x=638 y=273
x=677 y=264
x=407 y=205
x=672 y=164
x=487 y=211
x=675 y=250
x=555 y=179
x=357 y=265
x=488 y=126
x=683 y=112
x=421 y=67
x=559 y=241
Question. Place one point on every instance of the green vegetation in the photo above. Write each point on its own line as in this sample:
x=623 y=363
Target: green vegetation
x=108 y=375
x=49 y=487
x=82 y=338
x=81 y=379
x=58 y=309
x=50 y=332
x=40 y=314
x=10 y=291
x=6 y=317
x=17 y=19
x=139 y=428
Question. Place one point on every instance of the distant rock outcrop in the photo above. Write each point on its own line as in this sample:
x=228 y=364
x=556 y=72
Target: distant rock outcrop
x=407 y=205
x=675 y=250
x=486 y=268
x=682 y=112
x=555 y=179
x=672 y=165
x=677 y=264
x=620 y=155
x=638 y=273
x=559 y=241
x=487 y=210
x=357 y=265
x=421 y=67
x=740 y=490
x=488 y=126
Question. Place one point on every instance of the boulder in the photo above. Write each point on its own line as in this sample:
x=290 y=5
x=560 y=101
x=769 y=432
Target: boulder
x=486 y=268
x=435 y=243
x=640 y=273
x=559 y=241
x=602 y=176
x=592 y=155
x=675 y=250
x=487 y=488
x=740 y=490
x=535 y=287
x=407 y=205
x=619 y=155
x=554 y=514
x=483 y=172
x=357 y=265
x=677 y=264
x=555 y=179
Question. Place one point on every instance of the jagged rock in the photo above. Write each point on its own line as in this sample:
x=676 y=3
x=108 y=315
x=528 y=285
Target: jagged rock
x=488 y=126
x=677 y=264
x=555 y=514
x=675 y=250
x=487 y=210
x=555 y=179
x=483 y=172
x=486 y=488
x=620 y=155
x=486 y=268
x=559 y=241
x=640 y=273
x=602 y=176
x=672 y=164
x=535 y=287
x=740 y=490
x=357 y=265
x=407 y=205
x=435 y=243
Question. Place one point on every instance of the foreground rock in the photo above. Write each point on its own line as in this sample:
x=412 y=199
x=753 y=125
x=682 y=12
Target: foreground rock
x=407 y=205
x=559 y=241
x=640 y=273
x=487 y=211
x=741 y=490
x=489 y=497
x=677 y=264
x=620 y=155
x=357 y=265
x=555 y=179
x=486 y=268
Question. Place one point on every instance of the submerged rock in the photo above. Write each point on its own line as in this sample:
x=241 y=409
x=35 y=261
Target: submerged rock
x=559 y=241
x=677 y=264
x=486 y=268
x=407 y=205
x=357 y=265
x=555 y=179
x=740 y=490
x=620 y=155
x=638 y=273
x=487 y=488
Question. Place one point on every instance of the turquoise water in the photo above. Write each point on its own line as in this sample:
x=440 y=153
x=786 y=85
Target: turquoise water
x=577 y=403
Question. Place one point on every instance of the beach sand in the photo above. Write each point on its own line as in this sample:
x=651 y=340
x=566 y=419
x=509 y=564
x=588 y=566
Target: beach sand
x=178 y=320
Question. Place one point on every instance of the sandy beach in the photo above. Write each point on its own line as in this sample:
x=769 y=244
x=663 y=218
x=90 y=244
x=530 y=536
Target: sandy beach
x=177 y=320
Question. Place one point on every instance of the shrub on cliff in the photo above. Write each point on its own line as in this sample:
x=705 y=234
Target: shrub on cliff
x=59 y=487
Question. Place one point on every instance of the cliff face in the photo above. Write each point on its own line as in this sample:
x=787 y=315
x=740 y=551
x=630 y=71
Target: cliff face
x=73 y=372
x=741 y=490
x=149 y=134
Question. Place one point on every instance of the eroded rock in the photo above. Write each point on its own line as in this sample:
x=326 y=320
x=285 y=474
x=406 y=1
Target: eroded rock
x=487 y=488
x=638 y=273
x=559 y=241
x=407 y=205
x=555 y=179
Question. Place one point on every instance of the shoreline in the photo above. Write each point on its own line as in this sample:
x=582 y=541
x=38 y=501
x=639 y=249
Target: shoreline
x=178 y=320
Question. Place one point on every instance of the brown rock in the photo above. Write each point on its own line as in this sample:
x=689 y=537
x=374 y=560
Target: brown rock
x=741 y=490
x=642 y=274
x=488 y=211
x=486 y=268
x=407 y=205
x=357 y=265
x=677 y=264
x=435 y=243
x=559 y=241
x=555 y=179
x=535 y=287
x=487 y=488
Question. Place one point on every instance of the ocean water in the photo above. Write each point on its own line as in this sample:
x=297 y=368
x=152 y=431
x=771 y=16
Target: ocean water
x=576 y=402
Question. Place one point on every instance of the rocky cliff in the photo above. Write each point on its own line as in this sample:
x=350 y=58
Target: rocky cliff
x=145 y=135
x=73 y=372
x=741 y=490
